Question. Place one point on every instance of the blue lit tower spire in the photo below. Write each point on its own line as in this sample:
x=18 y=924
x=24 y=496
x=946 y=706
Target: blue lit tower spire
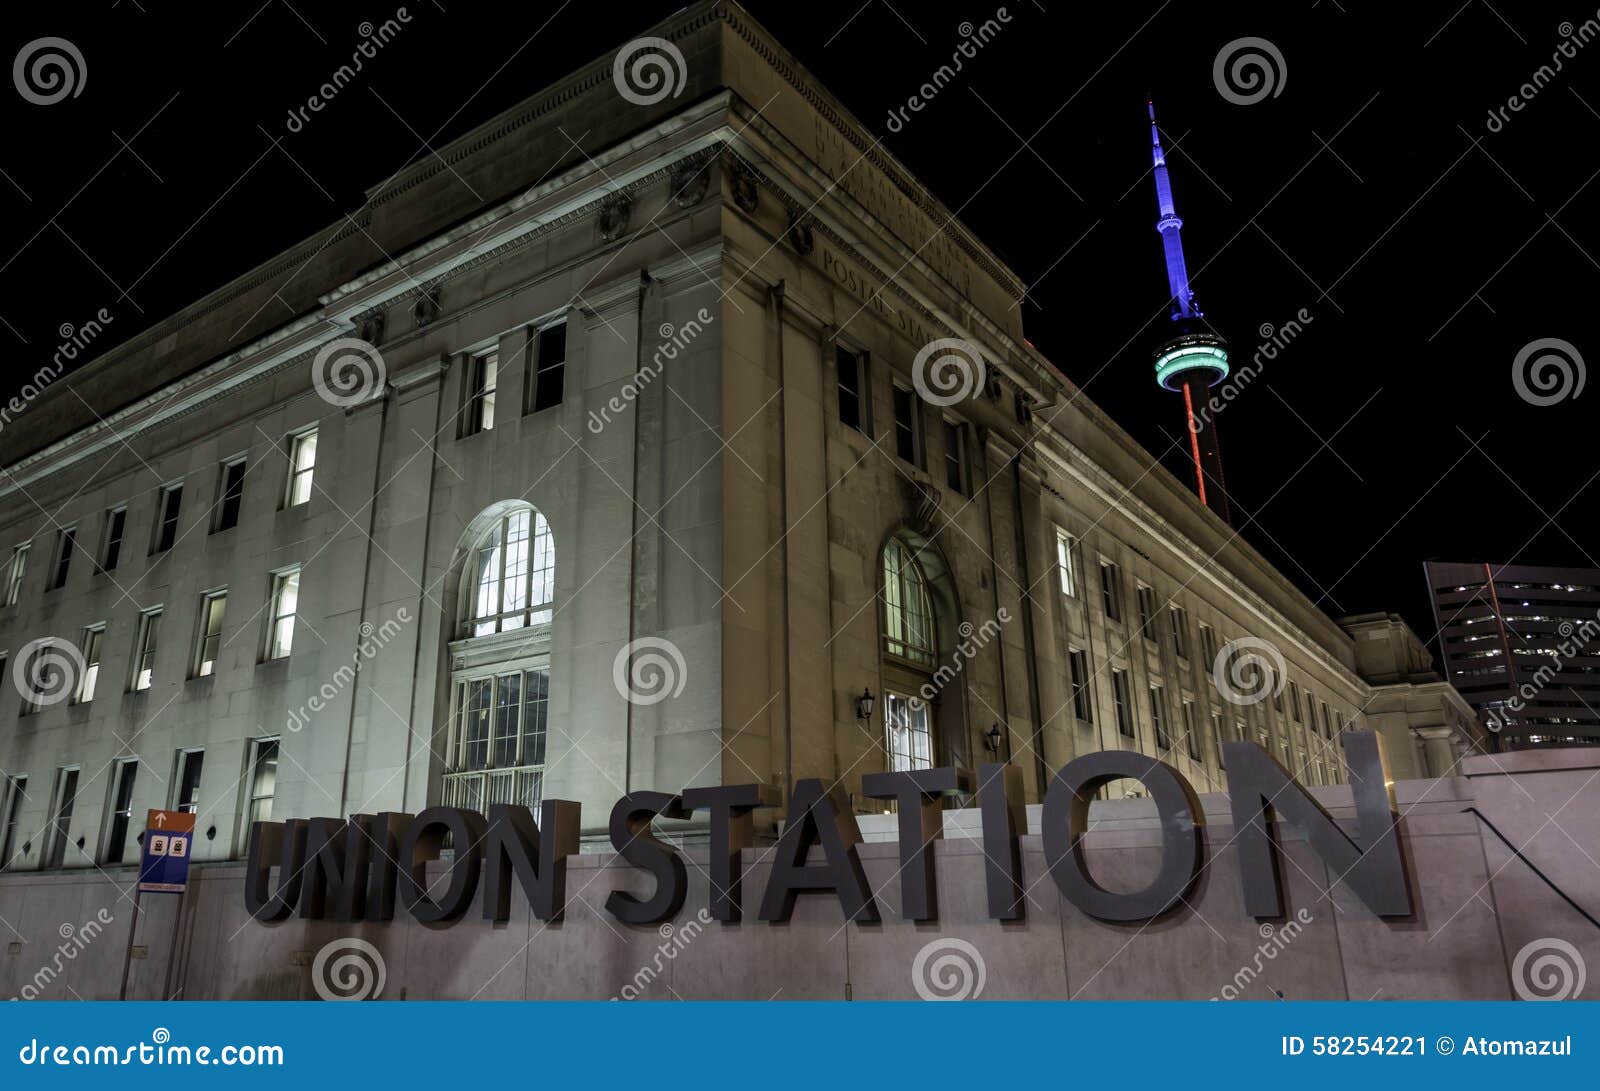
x=1196 y=358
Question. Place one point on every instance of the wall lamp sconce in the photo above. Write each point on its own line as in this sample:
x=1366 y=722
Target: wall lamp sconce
x=864 y=704
x=991 y=739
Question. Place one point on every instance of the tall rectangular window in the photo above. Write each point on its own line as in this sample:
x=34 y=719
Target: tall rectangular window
x=208 y=635
x=144 y=650
x=263 y=782
x=546 y=384
x=1158 y=717
x=1191 y=736
x=1067 y=561
x=66 y=797
x=122 y=775
x=1294 y=701
x=1122 y=699
x=18 y=790
x=168 y=503
x=111 y=540
x=1217 y=739
x=302 y=465
x=280 y=624
x=1111 y=590
x=1147 y=612
x=92 y=637
x=1178 y=619
x=906 y=438
x=483 y=377
x=852 y=390
x=186 y=794
x=66 y=542
x=955 y=463
x=230 y=495
x=908 y=737
x=1082 y=706
x=1208 y=645
x=15 y=572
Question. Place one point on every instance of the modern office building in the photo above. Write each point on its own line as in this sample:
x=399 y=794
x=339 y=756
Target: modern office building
x=570 y=467
x=1520 y=644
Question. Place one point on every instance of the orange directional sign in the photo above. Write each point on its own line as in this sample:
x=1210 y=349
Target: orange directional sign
x=164 y=865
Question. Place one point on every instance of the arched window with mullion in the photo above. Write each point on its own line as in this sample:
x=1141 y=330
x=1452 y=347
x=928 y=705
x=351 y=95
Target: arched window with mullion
x=513 y=574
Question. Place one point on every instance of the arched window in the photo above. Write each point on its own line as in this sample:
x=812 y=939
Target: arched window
x=907 y=613
x=513 y=571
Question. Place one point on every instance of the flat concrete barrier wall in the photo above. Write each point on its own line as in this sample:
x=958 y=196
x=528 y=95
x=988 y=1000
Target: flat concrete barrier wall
x=1480 y=907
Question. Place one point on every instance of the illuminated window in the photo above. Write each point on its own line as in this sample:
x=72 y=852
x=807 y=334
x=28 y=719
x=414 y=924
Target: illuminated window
x=208 y=638
x=909 y=738
x=512 y=569
x=280 y=623
x=302 y=465
x=91 y=662
x=483 y=374
x=1067 y=561
x=907 y=611
x=263 y=781
x=144 y=657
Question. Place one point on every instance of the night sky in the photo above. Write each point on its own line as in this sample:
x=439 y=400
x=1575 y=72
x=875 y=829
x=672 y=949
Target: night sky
x=1370 y=190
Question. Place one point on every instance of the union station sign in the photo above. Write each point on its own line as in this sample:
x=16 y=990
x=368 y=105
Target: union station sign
x=357 y=868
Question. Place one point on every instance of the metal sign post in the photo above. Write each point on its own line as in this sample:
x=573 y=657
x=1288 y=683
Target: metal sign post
x=163 y=869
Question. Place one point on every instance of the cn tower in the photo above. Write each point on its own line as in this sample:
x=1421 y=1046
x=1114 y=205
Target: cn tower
x=1196 y=358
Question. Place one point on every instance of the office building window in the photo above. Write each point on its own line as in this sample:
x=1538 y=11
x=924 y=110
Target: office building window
x=502 y=721
x=186 y=794
x=230 y=495
x=1111 y=590
x=122 y=774
x=1158 y=718
x=16 y=792
x=1122 y=699
x=483 y=374
x=1147 y=612
x=1294 y=701
x=1217 y=739
x=280 y=622
x=907 y=437
x=302 y=467
x=548 y=370
x=1208 y=645
x=168 y=503
x=15 y=572
x=111 y=540
x=1178 y=619
x=1191 y=736
x=92 y=637
x=513 y=575
x=1082 y=705
x=1067 y=561
x=263 y=782
x=955 y=463
x=852 y=391
x=66 y=542
x=208 y=640
x=66 y=797
x=144 y=650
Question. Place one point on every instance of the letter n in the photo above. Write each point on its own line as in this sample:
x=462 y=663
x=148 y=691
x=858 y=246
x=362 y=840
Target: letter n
x=537 y=855
x=1374 y=868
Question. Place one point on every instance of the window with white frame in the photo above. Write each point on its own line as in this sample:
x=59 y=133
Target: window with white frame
x=907 y=609
x=512 y=569
x=15 y=573
x=144 y=650
x=1067 y=561
x=500 y=725
x=483 y=378
x=92 y=637
x=302 y=467
x=909 y=735
x=280 y=619
x=208 y=634
x=263 y=778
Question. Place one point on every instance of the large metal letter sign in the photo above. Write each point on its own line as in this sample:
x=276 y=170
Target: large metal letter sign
x=164 y=863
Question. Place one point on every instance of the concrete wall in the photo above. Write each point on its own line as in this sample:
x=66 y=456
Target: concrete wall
x=1477 y=908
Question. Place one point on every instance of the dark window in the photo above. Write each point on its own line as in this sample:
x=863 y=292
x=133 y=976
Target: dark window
x=66 y=542
x=61 y=823
x=1191 y=737
x=1082 y=706
x=19 y=788
x=190 y=762
x=1111 y=590
x=230 y=494
x=954 y=464
x=1147 y=612
x=1208 y=644
x=263 y=782
x=483 y=377
x=111 y=548
x=549 y=368
x=852 y=399
x=1158 y=717
x=167 y=508
x=1179 y=618
x=121 y=811
x=905 y=425
x=1123 y=701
